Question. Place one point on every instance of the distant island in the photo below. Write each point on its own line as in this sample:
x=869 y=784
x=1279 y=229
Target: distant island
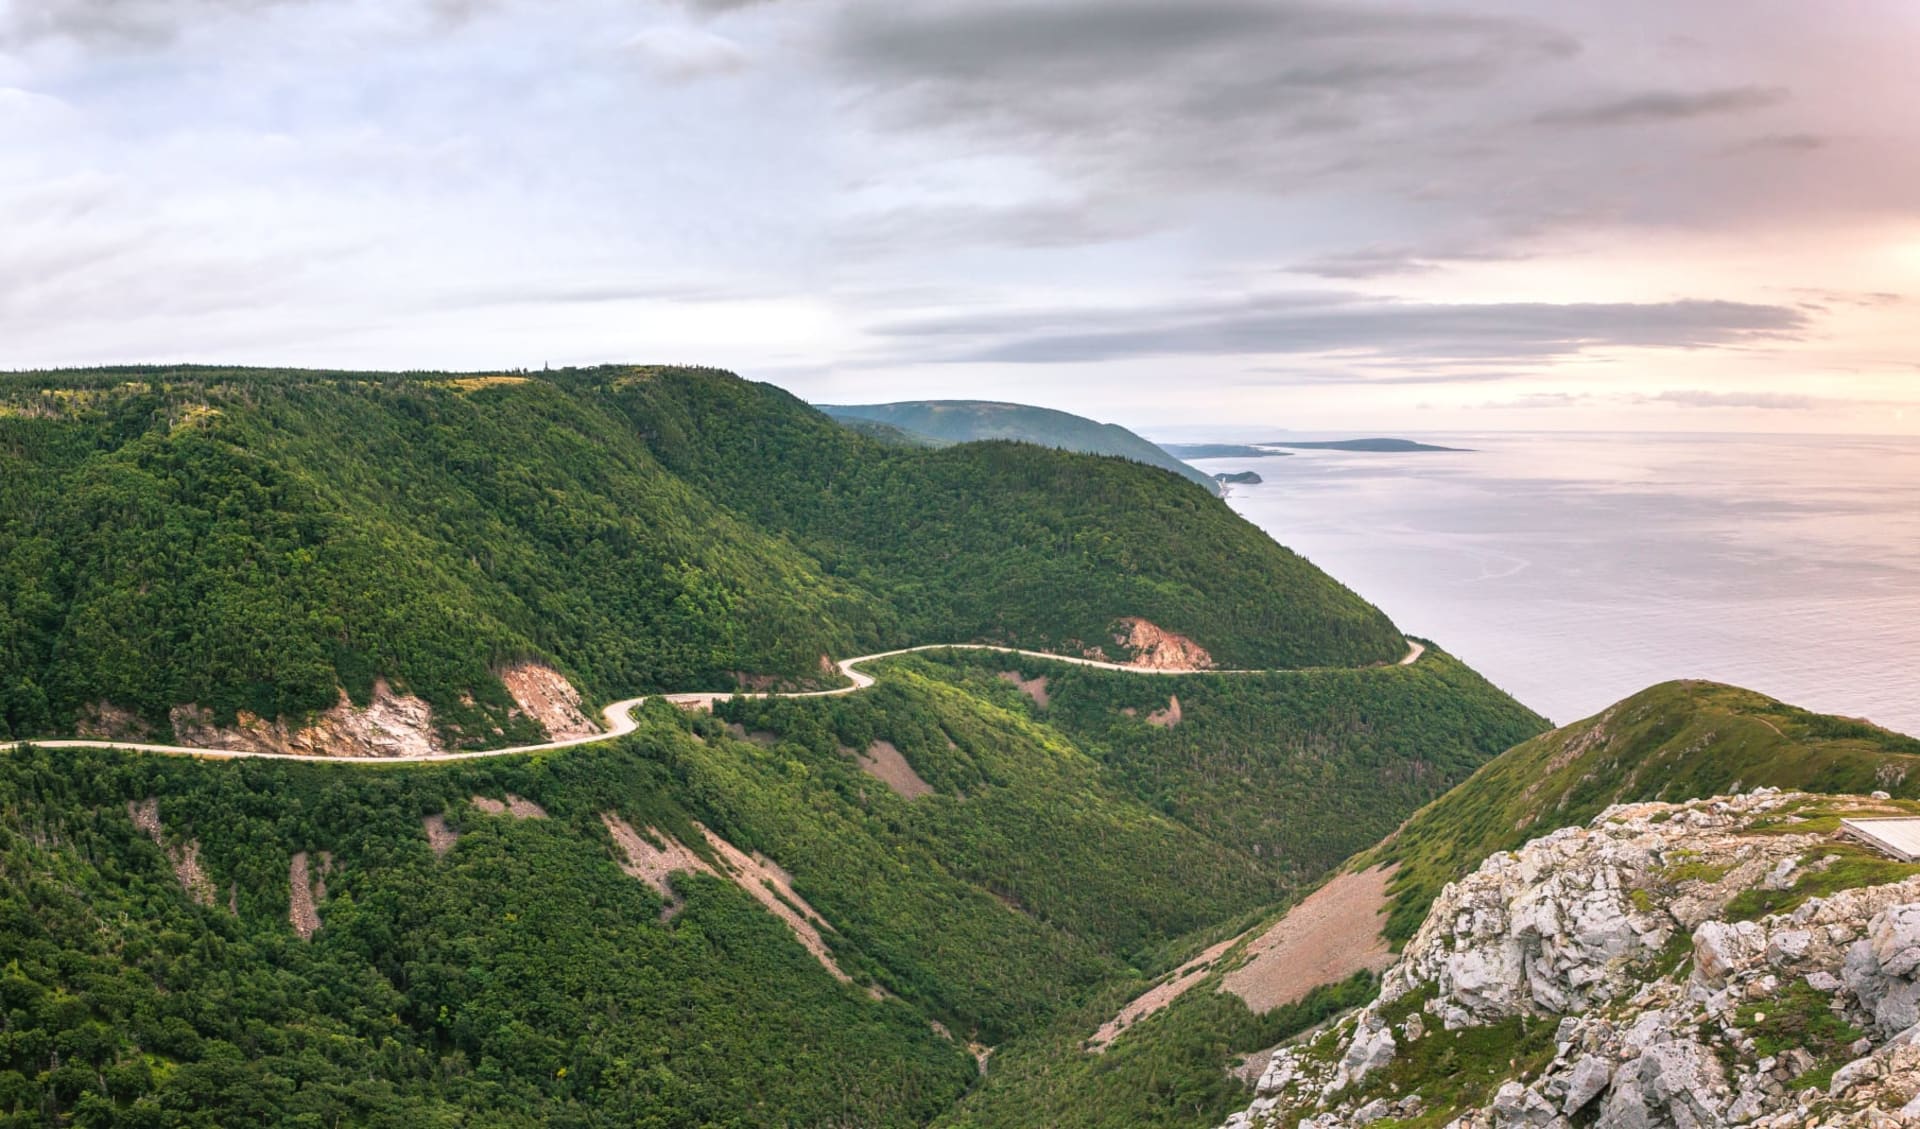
x=1265 y=450
x=1244 y=478
x=1219 y=451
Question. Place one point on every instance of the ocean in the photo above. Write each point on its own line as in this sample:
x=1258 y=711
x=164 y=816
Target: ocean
x=1575 y=569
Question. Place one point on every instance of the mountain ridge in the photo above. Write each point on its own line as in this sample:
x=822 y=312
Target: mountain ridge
x=962 y=421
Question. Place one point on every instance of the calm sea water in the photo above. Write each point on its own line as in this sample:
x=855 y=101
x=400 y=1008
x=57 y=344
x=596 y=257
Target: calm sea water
x=1574 y=570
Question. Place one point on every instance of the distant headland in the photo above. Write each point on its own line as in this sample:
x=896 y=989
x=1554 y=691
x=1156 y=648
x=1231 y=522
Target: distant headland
x=1265 y=450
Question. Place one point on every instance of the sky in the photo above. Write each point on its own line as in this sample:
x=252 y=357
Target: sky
x=1193 y=217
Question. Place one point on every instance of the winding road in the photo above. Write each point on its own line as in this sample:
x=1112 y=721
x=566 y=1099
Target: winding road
x=619 y=715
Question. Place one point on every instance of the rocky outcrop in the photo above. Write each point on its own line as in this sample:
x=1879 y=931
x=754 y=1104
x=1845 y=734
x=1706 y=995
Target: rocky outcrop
x=391 y=725
x=544 y=694
x=1665 y=1011
x=1155 y=648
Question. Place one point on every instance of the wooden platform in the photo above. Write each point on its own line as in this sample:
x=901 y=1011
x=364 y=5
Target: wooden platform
x=1899 y=837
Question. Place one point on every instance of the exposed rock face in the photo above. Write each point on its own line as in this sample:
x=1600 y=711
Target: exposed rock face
x=1619 y=930
x=440 y=837
x=654 y=856
x=184 y=857
x=392 y=725
x=515 y=806
x=1158 y=649
x=884 y=761
x=306 y=888
x=109 y=722
x=545 y=695
x=1166 y=718
x=1034 y=688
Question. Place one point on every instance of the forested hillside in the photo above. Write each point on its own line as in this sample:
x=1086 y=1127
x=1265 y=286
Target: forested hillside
x=250 y=544
x=978 y=864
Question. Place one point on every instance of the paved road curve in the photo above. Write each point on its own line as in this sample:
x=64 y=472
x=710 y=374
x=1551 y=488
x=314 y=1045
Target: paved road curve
x=619 y=715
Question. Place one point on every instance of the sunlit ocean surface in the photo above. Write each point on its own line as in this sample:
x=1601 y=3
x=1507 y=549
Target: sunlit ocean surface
x=1574 y=570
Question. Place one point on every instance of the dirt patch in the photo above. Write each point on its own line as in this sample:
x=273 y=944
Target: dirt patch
x=185 y=858
x=300 y=900
x=514 y=806
x=545 y=695
x=476 y=383
x=650 y=863
x=1160 y=995
x=440 y=837
x=1155 y=648
x=656 y=855
x=772 y=887
x=1035 y=688
x=109 y=722
x=885 y=763
x=1328 y=937
x=392 y=725
x=759 y=737
x=186 y=867
x=145 y=815
x=1169 y=717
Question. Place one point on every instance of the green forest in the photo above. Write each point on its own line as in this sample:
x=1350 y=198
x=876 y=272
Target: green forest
x=261 y=541
x=522 y=978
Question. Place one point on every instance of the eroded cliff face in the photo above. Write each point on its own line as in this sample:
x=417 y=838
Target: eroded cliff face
x=1156 y=648
x=1625 y=976
x=545 y=695
x=391 y=725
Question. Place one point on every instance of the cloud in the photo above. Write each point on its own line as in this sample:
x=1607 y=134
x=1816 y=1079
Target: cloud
x=1382 y=262
x=1667 y=106
x=684 y=53
x=1529 y=401
x=1782 y=143
x=1699 y=398
x=1405 y=333
x=116 y=23
x=1208 y=92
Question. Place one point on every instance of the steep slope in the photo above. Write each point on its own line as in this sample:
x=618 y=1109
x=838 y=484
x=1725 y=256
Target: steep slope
x=274 y=557
x=1677 y=741
x=1674 y=741
x=1005 y=541
x=719 y=920
x=966 y=421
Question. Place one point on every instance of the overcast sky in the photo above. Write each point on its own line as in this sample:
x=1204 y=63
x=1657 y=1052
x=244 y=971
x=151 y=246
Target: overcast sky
x=1184 y=215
